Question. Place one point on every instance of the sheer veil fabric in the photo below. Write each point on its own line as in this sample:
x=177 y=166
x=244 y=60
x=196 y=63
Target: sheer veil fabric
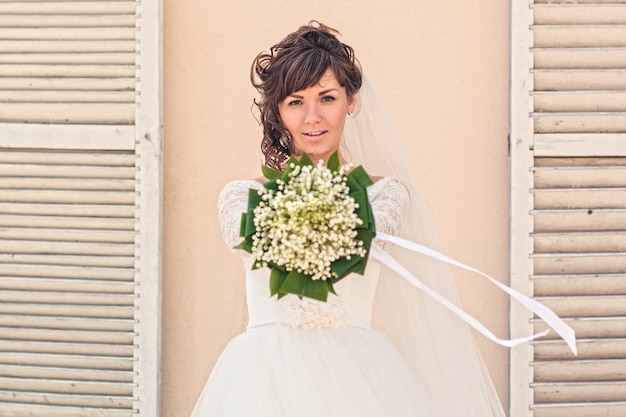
x=436 y=343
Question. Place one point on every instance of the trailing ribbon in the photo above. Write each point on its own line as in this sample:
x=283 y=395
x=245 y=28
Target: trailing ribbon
x=550 y=318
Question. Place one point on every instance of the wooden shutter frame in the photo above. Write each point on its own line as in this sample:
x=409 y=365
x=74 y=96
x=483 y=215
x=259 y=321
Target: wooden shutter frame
x=149 y=146
x=520 y=144
x=525 y=145
x=146 y=138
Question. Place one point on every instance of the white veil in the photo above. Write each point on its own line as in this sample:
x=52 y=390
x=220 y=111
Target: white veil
x=437 y=344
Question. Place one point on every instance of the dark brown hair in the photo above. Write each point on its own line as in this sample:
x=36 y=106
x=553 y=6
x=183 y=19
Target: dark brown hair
x=296 y=63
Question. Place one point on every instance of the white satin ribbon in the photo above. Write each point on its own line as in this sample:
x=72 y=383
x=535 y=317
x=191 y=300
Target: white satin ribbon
x=550 y=318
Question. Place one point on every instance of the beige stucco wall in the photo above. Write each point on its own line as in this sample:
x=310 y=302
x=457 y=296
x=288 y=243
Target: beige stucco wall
x=442 y=68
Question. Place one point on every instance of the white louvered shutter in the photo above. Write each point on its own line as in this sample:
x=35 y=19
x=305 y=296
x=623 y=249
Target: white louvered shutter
x=80 y=198
x=568 y=219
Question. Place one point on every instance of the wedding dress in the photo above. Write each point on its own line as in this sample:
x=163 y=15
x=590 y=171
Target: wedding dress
x=305 y=358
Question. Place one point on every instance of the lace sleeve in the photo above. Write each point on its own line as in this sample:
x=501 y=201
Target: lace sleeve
x=390 y=202
x=232 y=202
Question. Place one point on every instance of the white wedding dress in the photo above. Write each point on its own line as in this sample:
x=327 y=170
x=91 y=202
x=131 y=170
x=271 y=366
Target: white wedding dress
x=304 y=358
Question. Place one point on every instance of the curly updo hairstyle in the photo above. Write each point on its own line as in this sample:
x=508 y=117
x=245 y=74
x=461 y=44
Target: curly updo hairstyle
x=296 y=63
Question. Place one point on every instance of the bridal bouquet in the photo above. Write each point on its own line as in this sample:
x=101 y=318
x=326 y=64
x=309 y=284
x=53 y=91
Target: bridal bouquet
x=311 y=225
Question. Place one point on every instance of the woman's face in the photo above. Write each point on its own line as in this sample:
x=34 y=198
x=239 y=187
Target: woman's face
x=315 y=117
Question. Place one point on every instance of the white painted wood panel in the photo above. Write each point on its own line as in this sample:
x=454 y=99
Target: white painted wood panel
x=568 y=143
x=80 y=195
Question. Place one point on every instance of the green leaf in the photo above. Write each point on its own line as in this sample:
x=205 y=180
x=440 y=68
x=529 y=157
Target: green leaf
x=333 y=162
x=361 y=176
x=343 y=266
x=270 y=173
x=277 y=277
x=245 y=245
x=305 y=160
x=253 y=198
x=250 y=227
x=294 y=283
x=317 y=289
x=271 y=185
x=242 y=227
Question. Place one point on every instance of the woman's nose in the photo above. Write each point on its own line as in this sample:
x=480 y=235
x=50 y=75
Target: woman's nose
x=312 y=114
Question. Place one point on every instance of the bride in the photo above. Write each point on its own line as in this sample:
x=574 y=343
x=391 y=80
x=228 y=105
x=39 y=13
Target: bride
x=306 y=358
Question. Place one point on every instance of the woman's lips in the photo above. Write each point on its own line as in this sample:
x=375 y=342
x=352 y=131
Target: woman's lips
x=315 y=135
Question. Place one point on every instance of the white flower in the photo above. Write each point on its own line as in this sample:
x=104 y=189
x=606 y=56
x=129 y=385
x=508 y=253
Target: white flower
x=307 y=224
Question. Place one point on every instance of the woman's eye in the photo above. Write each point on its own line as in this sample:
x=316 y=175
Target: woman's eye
x=328 y=98
x=294 y=102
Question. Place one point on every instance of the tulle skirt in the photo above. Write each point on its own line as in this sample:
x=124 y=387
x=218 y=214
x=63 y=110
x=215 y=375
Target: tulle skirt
x=280 y=371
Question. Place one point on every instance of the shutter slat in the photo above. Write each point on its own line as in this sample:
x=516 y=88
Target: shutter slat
x=68 y=7
x=21 y=96
x=579 y=79
x=60 y=310
x=65 y=373
x=48 y=183
x=579 y=284
x=581 y=392
x=65 y=46
x=61 y=20
x=67 y=171
x=593 y=370
x=65 y=248
x=118 y=213
x=64 y=235
x=51 y=284
x=67 y=196
x=579 y=220
x=67 y=84
x=66 y=336
x=67 y=323
x=104 y=58
x=580 y=242
x=52 y=399
x=77 y=71
x=97 y=223
x=60 y=386
x=589 y=327
x=577 y=36
x=67 y=361
x=586 y=306
x=580 y=101
x=34 y=346
x=71 y=33
x=550 y=3
x=605 y=348
x=580 y=263
x=573 y=14
x=78 y=159
x=579 y=58
x=36 y=410
x=592 y=409
x=583 y=176
x=579 y=122
x=70 y=260
x=54 y=113
x=67 y=272
x=64 y=297
x=591 y=198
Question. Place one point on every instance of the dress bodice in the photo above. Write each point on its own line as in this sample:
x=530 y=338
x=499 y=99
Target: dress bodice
x=352 y=306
